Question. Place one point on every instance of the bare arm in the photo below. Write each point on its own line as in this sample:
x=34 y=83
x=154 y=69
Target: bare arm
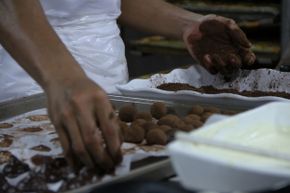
x=157 y=16
x=216 y=42
x=76 y=105
x=27 y=36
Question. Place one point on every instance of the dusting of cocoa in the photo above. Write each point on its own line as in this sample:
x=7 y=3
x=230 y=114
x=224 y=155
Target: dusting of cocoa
x=213 y=90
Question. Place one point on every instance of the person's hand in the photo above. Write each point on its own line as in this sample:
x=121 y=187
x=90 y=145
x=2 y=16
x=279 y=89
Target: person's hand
x=86 y=123
x=219 y=45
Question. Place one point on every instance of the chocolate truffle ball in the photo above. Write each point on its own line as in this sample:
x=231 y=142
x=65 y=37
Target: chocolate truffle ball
x=196 y=109
x=139 y=122
x=212 y=109
x=148 y=126
x=186 y=128
x=192 y=120
x=168 y=131
x=144 y=115
x=171 y=120
x=156 y=136
x=194 y=117
x=134 y=134
x=205 y=116
x=158 y=110
x=197 y=124
x=122 y=125
x=127 y=113
x=180 y=124
x=168 y=120
x=188 y=120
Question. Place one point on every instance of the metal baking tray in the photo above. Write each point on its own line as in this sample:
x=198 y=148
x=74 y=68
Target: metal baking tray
x=145 y=169
x=16 y=107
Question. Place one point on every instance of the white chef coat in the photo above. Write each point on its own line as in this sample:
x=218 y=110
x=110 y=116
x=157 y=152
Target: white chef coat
x=89 y=30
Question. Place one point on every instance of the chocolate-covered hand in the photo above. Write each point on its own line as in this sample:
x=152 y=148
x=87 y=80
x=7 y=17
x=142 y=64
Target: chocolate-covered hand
x=219 y=45
x=86 y=124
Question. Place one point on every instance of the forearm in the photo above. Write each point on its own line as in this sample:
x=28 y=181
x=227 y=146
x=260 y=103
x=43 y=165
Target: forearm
x=157 y=16
x=26 y=34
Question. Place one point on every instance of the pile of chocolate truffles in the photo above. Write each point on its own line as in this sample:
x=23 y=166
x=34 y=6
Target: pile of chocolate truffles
x=48 y=171
x=159 y=125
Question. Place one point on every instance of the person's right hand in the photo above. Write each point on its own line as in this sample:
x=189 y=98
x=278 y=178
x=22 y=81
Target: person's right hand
x=86 y=124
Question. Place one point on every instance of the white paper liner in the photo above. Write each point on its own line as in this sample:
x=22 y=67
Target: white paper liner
x=266 y=80
x=23 y=142
x=261 y=79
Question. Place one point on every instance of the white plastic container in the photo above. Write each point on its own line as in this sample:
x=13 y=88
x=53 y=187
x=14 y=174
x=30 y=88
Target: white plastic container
x=202 y=167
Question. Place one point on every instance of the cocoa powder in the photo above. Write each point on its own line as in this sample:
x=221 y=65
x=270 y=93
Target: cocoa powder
x=213 y=90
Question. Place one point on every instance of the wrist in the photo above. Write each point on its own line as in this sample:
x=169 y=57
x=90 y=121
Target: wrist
x=190 y=21
x=62 y=73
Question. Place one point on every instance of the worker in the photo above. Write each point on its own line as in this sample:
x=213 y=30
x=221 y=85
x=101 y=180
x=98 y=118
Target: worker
x=72 y=51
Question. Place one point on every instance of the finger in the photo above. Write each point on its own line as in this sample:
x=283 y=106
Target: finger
x=78 y=147
x=248 y=57
x=110 y=130
x=220 y=64
x=93 y=139
x=239 y=37
x=233 y=63
x=65 y=143
x=208 y=64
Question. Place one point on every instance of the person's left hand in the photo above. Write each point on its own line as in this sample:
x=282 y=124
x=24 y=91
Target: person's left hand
x=219 y=45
